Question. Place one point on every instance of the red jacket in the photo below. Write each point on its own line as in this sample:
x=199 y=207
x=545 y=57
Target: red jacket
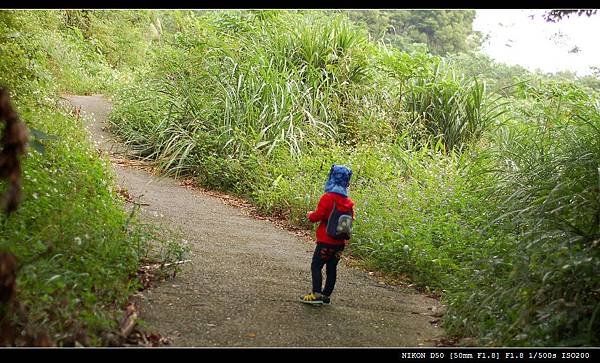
x=323 y=211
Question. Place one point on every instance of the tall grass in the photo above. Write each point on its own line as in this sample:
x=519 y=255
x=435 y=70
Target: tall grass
x=451 y=108
x=542 y=286
x=259 y=99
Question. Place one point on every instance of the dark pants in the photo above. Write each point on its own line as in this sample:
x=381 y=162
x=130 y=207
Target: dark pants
x=328 y=255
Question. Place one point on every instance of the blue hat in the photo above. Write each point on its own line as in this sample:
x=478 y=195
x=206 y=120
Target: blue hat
x=338 y=180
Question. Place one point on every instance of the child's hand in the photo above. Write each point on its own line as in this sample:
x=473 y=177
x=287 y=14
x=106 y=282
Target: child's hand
x=307 y=214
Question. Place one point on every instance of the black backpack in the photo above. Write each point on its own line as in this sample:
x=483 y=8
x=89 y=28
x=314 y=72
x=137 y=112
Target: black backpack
x=339 y=224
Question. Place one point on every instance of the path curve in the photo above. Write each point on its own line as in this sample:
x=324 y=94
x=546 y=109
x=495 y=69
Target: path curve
x=242 y=286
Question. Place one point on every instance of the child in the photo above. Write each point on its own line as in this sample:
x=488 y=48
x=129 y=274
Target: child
x=329 y=249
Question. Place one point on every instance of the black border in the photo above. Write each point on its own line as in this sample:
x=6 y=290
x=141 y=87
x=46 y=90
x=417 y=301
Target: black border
x=171 y=355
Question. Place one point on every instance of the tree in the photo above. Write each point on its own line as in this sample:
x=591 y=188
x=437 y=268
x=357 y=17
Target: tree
x=554 y=16
x=444 y=31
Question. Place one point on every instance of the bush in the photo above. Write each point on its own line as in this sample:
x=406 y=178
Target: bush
x=542 y=287
x=77 y=248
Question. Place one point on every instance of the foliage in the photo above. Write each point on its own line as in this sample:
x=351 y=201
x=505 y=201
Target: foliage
x=78 y=250
x=554 y=16
x=451 y=109
x=263 y=92
x=499 y=76
x=444 y=31
x=542 y=289
x=503 y=77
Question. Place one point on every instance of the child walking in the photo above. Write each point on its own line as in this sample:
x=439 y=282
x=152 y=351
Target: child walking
x=335 y=214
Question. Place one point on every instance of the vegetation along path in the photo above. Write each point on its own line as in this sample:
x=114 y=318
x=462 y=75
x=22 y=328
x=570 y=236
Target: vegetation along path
x=242 y=285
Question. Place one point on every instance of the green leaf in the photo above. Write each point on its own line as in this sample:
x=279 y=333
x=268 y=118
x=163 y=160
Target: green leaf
x=37 y=146
x=42 y=135
x=53 y=278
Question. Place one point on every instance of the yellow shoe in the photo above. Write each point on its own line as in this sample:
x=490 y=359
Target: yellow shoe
x=312 y=299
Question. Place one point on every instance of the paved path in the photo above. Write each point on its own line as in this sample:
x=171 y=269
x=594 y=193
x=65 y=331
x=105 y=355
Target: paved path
x=246 y=275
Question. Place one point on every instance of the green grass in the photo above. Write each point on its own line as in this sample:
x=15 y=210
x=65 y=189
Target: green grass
x=542 y=289
x=68 y=234
x=452 y=109
x=78 y=250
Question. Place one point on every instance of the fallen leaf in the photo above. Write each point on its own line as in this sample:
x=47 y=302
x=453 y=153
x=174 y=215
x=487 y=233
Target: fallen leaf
x=128 y=323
